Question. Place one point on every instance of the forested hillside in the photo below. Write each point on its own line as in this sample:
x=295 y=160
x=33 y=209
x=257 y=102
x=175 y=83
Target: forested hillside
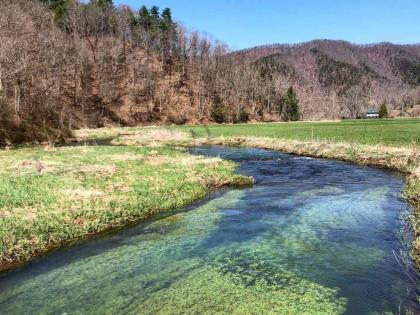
x=335 y=79
x=66 y=64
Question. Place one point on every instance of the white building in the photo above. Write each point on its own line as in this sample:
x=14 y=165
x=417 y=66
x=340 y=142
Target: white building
x=372 y=113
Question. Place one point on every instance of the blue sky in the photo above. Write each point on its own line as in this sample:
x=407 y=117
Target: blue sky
x=248 y=23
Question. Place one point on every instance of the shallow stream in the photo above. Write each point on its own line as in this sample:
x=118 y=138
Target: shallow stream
x=312 y=236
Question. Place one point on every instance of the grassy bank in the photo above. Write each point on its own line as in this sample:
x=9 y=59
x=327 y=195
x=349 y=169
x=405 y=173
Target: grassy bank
x=52 y=197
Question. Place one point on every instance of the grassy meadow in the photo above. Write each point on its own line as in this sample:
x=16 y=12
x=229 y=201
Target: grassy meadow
x=51 y=197
x=392 y=132
x=388 y=132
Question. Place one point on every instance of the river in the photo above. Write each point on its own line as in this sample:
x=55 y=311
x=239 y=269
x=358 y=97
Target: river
x=311 y=236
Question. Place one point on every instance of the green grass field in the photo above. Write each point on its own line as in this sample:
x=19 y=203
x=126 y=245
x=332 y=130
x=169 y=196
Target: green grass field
x=393 y=132
x=48 y=198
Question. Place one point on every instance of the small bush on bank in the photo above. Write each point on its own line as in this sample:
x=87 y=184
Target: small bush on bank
x=217 y=112
x=383 y=111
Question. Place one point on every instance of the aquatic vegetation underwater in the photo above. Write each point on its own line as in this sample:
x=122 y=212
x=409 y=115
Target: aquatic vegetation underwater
x=312 y=237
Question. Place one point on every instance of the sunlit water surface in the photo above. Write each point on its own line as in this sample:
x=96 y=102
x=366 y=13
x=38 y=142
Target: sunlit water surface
x=312 y=236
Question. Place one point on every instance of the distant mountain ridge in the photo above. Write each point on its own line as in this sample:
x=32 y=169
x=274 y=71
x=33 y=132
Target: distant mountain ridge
x=340 y=79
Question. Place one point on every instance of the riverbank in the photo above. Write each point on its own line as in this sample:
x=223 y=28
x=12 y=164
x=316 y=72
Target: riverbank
x=404 y=159
x=50 y=197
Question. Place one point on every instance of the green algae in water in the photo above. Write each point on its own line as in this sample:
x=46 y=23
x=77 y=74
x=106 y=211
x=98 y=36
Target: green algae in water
x=209 y=290
x=161 y=272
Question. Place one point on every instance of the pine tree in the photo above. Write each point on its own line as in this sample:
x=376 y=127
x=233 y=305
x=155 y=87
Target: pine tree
x=166 y=21
x=154 y=16
x=167 y=15
x=217 y=112
x=383 y=111
x=144 y=18
x=103 y=3
x=58 y=8
x=291 y=106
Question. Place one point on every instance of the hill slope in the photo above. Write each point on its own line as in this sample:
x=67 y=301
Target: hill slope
x=336 y=79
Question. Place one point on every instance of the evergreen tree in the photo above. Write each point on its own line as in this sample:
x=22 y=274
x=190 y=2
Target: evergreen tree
x=217 y=112
x=167 y=15
x=154 y=16
x=383 y=111
x=144 y=18
x=58 y=8
x=166 y=21
x=291 y=106
x=105 y=3
x=154 y=11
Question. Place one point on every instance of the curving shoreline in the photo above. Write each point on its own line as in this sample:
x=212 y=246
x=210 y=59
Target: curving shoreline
x=404 y=160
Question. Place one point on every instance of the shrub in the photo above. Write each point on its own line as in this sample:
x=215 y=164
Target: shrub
x=217 y=112
x=243 y=116
x=291 y=106
x=177 y=119
x=383 y=111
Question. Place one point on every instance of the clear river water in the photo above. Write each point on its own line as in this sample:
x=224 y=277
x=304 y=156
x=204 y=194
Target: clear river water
x=312 y=236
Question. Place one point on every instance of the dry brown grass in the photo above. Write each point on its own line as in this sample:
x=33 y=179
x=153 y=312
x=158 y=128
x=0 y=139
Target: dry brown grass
x=151 y=137
x=182 y=161
x=405 y=159
x=83 y=193
x=100 y=170
x=31 y=166
x=124 y=157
